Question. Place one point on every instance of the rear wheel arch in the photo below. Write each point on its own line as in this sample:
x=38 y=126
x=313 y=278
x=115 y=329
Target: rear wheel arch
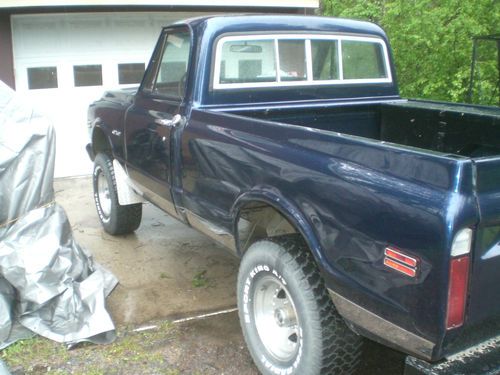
x=278 y=209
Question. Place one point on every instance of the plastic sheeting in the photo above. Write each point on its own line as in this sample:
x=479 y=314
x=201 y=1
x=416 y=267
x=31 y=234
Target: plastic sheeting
x=49 y=285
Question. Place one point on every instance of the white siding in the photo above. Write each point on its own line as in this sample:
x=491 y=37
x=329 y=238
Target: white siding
x=67 y=40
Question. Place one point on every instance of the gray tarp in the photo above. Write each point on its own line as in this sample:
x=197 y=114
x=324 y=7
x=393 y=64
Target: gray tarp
x=49 y=285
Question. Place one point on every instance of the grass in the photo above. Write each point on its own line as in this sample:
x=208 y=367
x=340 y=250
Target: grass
x=200 y=279
x=132 y=353
x=31 y=350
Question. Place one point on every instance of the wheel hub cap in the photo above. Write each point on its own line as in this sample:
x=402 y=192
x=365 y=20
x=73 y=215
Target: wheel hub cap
x=276 y=319
x=103 y=194
x=285 y=316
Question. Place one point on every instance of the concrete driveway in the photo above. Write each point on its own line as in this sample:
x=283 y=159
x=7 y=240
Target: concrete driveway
x=168 y=271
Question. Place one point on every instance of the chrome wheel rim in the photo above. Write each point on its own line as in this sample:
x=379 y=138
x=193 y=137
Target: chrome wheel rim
x=276 y=319
x=103 y=194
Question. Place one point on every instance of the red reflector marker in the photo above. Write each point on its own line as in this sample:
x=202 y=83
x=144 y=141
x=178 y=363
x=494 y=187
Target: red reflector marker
x=399 y=261
x=457 y=292
x=403 y=258
x=400 y=267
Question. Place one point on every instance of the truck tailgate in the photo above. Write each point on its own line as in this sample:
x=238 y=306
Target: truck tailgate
x=484 y=302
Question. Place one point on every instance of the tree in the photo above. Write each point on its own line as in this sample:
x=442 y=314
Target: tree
x=431 y=40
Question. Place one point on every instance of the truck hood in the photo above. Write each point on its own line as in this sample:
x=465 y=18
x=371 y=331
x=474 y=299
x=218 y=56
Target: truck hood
x=123 y=96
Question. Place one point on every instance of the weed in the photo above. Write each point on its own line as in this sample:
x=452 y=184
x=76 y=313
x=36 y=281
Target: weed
x=32 y=350
x=131 y=351
x=200 y=279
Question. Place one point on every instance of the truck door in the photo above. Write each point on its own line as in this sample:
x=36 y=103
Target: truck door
x=151 y=120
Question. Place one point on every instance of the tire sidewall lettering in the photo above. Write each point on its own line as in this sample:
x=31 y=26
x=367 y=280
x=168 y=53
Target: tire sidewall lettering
x=258 y=271
x=97 y=170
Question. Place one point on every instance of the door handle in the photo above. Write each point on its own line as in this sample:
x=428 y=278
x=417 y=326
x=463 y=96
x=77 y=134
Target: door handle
x=172 y=123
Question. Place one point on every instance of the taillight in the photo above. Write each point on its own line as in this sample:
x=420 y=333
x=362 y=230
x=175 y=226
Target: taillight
x=459 y=278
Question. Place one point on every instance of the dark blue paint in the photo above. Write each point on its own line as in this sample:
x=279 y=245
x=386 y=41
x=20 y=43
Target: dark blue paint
x=350 y=197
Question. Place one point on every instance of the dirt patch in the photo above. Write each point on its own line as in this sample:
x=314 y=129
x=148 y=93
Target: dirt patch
x=165 y=348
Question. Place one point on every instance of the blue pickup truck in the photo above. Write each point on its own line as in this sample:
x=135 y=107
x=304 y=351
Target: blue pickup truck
x=356 y=213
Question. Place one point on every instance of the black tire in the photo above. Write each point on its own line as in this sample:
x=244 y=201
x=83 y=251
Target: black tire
x=321 y=343
x=115 y=218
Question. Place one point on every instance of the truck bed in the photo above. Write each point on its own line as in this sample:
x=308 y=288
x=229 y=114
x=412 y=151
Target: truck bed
x=443 y=158
x=439 y=127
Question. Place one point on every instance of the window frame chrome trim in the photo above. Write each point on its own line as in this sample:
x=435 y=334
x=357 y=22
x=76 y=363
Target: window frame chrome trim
x=308 y=38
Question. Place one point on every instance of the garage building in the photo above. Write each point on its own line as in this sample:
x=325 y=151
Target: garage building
x=62 y=55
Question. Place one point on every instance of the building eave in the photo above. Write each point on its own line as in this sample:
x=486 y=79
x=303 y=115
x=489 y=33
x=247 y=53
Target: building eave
x=310 y=4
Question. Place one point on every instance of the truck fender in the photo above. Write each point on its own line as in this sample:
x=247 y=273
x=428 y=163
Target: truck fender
x=286 y=208
x=124 y=186
x=101 y=138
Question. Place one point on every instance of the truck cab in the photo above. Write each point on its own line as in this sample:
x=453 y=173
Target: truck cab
x=355 y=212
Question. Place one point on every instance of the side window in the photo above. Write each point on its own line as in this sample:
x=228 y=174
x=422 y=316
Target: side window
x=172 y=71
x=248 y=61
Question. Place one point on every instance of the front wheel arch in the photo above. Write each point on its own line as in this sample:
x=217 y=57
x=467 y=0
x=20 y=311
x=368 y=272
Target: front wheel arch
x=101 y=142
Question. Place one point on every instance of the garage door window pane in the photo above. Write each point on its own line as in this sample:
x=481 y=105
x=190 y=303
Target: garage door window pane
x=87 y=75
x=42 y=78
x=130 y=73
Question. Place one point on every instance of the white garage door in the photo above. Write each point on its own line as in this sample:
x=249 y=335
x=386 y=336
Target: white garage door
x=65 y=61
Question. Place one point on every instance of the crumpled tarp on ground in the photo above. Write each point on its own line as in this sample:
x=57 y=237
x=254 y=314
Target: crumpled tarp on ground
x=49 y=285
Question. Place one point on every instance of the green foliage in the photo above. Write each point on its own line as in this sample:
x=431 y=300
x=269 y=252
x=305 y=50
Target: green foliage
x=200 y=279
x=132 y=353
x=29 y=351
x=432 y=42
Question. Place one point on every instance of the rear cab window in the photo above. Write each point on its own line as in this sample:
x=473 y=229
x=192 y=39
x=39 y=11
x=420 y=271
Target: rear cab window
x=246 y=61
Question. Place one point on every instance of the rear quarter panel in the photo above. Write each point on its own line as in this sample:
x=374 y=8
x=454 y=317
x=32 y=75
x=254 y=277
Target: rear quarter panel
x=358 y=196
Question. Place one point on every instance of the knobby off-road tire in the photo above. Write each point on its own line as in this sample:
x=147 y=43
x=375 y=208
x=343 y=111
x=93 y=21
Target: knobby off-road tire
x=289 y=322
x=115 y=218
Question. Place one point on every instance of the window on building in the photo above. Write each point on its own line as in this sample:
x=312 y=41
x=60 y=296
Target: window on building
x=130 y=73
x=87 y=75
x=42 y=78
